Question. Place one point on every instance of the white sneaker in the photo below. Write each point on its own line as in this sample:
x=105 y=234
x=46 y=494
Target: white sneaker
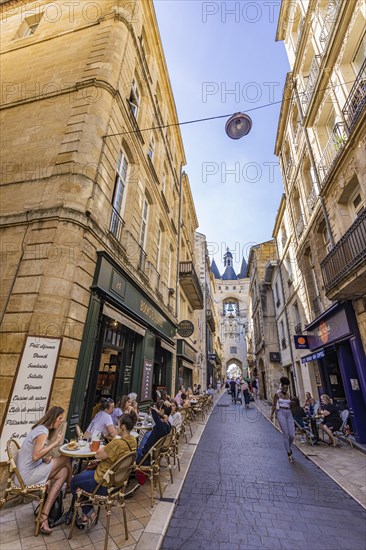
x=303 y=439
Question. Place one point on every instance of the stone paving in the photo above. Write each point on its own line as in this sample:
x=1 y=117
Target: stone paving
x=242 y=493
x=240 y=477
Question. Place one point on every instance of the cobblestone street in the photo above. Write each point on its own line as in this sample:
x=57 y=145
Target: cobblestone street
x=241 y=492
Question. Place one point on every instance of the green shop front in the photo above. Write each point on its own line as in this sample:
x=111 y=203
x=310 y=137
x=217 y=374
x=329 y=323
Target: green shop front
x=127 y=346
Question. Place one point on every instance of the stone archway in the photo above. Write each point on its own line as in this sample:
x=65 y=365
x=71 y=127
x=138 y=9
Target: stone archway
x=234 y=368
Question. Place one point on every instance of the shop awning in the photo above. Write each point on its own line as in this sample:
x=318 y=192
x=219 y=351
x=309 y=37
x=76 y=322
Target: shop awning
x=167 y=346
x=116 y=315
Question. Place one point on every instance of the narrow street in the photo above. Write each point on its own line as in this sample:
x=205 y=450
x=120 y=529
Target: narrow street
x=241 y=492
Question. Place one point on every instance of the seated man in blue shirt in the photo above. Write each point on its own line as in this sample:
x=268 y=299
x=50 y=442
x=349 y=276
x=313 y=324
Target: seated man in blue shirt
x=162 y=427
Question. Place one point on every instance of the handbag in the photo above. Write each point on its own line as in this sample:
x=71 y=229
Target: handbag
x=56 y=515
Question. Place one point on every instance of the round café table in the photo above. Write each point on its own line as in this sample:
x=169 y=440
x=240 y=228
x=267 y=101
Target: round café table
x=82 y=452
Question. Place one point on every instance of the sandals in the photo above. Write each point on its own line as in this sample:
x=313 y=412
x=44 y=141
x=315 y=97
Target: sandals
x=44 y=528
x=290 y=459
x=335 y=443
x=89 y=521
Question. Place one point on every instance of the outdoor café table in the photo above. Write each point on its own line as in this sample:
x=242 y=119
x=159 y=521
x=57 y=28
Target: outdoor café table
x=80 y=453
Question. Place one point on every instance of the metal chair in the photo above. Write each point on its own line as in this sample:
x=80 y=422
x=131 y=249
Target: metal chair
x=116 y=478
x=344 y=430
x=12 y=490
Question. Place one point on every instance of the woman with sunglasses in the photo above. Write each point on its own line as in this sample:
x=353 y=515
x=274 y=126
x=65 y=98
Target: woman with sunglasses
x=103 y=421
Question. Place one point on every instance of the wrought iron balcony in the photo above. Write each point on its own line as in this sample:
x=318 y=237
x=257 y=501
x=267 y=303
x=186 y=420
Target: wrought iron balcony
x=329 y=22
x=300 y=226
x=289 y=168
x=311 y=199
x=331 y=151
x=346 y=256
x=298 y=329
x=116 y=225
x=283 y=343
x=310 y=83
x=356 y=100
x=190 y=283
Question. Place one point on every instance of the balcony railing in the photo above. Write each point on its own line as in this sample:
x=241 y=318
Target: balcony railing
x=329 y=22
x=283 y=343
x=347 y=255
x=289 y=168
x=300 y=226
x=331 y=151
x=311 y=199
x=298 y=329
x=356 y=100
x=116 y=225
x=311 y=80
x=189 y=281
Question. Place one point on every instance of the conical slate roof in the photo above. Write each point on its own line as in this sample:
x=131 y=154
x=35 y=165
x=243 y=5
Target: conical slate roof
x=215 y=271
x=229 y=274
x=243 y=270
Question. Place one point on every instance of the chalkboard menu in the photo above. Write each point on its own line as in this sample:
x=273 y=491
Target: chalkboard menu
x=31 y=390
x=147 y=376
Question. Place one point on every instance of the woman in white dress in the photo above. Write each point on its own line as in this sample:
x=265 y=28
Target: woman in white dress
x=36 y=467
x=103 y=421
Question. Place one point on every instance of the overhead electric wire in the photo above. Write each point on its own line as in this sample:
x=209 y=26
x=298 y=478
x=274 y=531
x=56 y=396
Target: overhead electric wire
x=194 y=121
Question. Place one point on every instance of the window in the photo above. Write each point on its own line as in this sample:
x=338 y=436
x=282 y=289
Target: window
x=145 y=210
x=282 y=333
x=151 y=150
x=360 y=55
x=233 y=349
x=118 y=196
x=158 y=253
x=226 y=288
x=134 y=99
x=170 y=256
x=297 y=319
x=278 y=301
x=234 y=287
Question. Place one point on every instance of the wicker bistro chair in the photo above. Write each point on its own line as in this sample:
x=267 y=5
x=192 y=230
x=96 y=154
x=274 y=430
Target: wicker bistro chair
x=176 y=434
x=167 y=451
x=117 y=478
x=188 y=418
x=12 y=490
x=150 y=465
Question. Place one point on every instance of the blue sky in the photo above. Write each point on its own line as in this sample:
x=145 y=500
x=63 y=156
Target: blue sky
x=222 y=58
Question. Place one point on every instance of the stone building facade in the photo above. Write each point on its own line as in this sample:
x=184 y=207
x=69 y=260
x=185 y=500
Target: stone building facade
x=97 y=217
x=321 y=143
x=207 y=320
x=262 y=337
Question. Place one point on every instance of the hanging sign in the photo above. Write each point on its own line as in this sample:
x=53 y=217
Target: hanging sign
x=301 y=342
x=32 y=389
x=185 y=329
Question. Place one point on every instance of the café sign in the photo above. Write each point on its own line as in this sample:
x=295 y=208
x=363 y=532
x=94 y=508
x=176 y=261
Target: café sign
x=32 y=389
x=185 y=329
